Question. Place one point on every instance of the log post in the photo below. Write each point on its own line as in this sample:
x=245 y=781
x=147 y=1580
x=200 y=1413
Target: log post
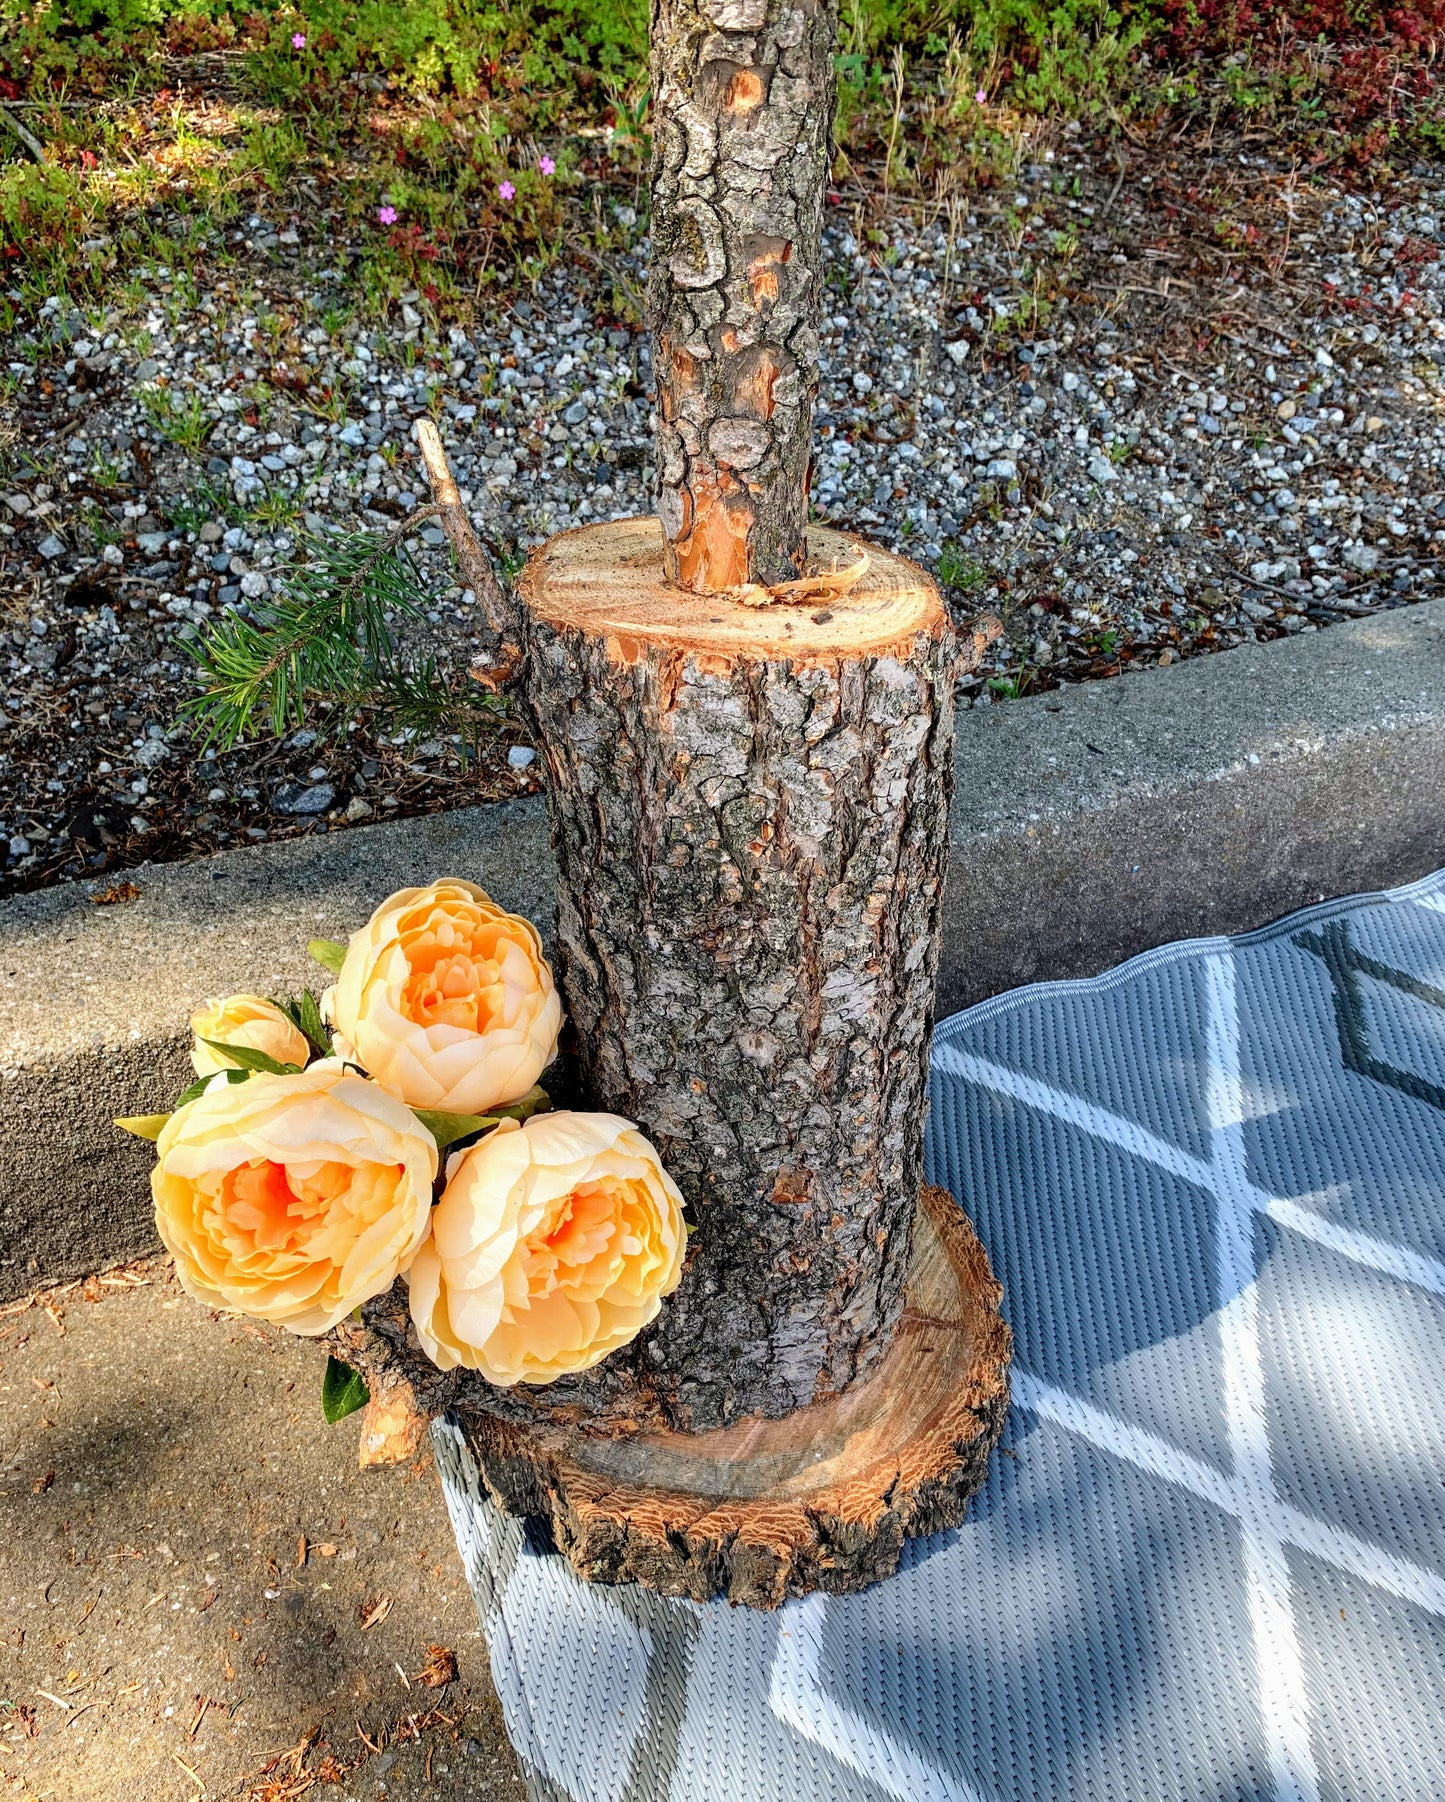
x=750 y=815
x=749 y=812
x=749 y=765
x=743 y=97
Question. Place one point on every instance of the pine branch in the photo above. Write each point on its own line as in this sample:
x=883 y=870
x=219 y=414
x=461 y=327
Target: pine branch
x=327 y=637
x=417 y=698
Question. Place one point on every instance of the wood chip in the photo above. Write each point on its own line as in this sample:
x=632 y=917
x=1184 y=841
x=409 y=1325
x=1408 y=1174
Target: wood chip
x=440 y=1667
x=190 y=1771
x=819 y=585
x=377 y=1612
x=116 y=895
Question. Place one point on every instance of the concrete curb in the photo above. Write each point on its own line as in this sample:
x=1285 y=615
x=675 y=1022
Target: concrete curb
x=1089 y=824
x=1210 y=797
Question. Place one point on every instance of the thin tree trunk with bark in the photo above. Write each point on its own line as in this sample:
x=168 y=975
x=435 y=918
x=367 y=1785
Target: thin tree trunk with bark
x=742 y=99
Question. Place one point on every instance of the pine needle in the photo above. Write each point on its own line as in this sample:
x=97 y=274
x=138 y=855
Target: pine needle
x=327 y=640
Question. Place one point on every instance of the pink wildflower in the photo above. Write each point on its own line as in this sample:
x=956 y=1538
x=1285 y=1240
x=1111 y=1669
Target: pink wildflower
x=387 y=215
x=547 y=166
x=506 y=190
x=298 y=40
x=980 y=96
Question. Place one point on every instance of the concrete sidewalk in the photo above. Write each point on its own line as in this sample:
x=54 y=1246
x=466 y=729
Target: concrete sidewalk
x=188 y=1558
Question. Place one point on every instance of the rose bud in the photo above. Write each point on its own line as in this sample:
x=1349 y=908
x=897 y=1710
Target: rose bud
x=247 y=1020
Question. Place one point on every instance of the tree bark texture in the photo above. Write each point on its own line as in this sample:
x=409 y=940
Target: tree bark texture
x=742 y=98
x=750 y=854
x=749 y=809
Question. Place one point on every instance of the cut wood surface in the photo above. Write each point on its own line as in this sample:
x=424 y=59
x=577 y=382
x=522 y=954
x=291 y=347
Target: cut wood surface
x=821 y=1500
x=393 y=1428
x=609 y=581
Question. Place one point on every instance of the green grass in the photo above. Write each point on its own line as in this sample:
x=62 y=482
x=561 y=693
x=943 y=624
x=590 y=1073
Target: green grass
x=1011 y=688
x=955 y=570
x=181 y=418
x=206 y=500
x=404 y=119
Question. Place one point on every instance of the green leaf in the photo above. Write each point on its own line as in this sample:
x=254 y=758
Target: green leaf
x=446 y=1129
x=245 y=1057
x=308 y=1018
x=305 y=1016
x=342 y=1391
x=144 y=1126
x=196 y=1089
x=535 y=1101
x=328 y=954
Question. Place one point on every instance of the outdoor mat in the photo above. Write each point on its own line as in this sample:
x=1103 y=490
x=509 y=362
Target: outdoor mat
x=1209 y=1563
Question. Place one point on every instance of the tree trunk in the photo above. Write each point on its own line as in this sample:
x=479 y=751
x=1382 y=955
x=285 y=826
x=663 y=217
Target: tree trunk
x=749 y=810
x=750 y=816
x=742 y=98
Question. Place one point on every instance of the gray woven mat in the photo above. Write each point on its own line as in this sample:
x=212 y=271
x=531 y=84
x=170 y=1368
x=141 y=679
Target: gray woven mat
x=1210 y=1563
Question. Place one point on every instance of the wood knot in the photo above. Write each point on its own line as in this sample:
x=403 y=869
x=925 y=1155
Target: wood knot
x=498 y=669
x=766 y=257
x=745 y=93
x=792 y=1188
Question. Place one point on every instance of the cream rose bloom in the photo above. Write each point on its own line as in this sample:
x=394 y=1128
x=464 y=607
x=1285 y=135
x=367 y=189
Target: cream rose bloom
x=293 y=1198
x=245 y=1020
x=554 y=1242
x=446 y=1000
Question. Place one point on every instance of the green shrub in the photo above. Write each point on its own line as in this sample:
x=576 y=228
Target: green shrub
x=455 y=44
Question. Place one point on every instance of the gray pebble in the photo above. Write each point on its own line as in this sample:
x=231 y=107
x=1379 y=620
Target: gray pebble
x=293 y=798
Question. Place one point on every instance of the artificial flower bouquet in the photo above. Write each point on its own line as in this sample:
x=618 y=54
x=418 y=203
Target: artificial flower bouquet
x=395 y=1128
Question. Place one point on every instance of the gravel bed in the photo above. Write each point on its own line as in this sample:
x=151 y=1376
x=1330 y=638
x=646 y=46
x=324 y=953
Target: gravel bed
x=1178 y=448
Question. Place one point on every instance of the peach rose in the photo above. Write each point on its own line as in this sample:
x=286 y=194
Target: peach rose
x=293 y=1198
x=245 y=1020
x=554 y=1242
x=446 y=1000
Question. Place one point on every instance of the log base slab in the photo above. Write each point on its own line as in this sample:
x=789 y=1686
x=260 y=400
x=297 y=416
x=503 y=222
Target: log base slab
x=820 y=1500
